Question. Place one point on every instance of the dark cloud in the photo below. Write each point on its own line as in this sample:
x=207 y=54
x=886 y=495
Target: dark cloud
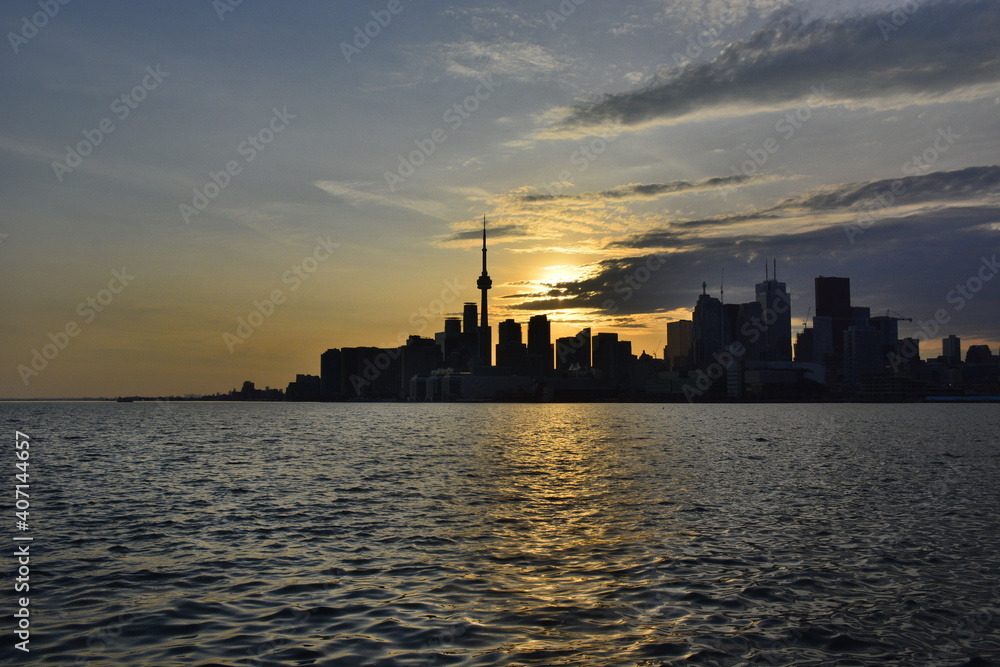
x=498 y=232
x=875 y=199
x=939 y=185
x=908 y=264
x=939 y=48
x=644 y=190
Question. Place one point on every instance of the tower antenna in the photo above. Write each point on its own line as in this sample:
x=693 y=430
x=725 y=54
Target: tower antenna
x=484 y=283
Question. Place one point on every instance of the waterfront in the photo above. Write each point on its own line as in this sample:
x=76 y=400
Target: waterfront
x=459 y=534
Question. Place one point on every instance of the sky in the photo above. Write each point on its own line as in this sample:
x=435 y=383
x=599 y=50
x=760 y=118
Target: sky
x=200 y=192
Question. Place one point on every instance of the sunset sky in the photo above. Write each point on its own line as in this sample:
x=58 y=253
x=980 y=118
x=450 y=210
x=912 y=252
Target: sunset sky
x=181 y=164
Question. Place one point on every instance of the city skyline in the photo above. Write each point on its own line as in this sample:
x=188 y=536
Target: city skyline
x=226 y=193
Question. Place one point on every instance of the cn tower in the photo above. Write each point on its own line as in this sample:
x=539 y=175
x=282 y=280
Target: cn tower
x=485 y=335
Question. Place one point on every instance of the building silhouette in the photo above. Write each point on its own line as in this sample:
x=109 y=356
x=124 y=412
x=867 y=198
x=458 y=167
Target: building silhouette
x=573 y=353
x=679 y=337
x=833 y=300
x=512 y=353
x=540 y=350
x=709 y=331
x=485 y=283
x=776 y=324
x=735 y=351
x=951 y=348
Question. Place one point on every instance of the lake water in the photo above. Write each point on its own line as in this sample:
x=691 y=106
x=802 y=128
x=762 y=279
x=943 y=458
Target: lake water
x=500 y=534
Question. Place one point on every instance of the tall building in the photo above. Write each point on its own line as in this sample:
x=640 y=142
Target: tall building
x=469 y=317
x=606 y=354
x=484 y=283
x=822 y=338
x=860 y=316
x=951 y=348
x=888 y=328
x=330 y=375
x=512 y=354
x=540 y=349
x=573 y=352
x=679 y=343
x=470 y=335
x=805 y=346
x=710 y=330
x=750 y=329
x=862 y=353
x=833 y=300
x=421 y=356
x=979 y=354
x=776 y=306
x=450 y=342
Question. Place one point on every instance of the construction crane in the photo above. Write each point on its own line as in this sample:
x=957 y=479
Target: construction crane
x=897 y=316
x=805 y=320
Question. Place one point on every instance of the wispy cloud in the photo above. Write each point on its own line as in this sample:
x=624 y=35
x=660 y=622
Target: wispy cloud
x=643 y=190
x=878 y=199
x=941 y=48
x=517 y=61
x=360 y=193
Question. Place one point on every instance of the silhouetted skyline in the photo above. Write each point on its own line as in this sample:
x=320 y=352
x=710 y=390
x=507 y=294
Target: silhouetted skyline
x=198 y=195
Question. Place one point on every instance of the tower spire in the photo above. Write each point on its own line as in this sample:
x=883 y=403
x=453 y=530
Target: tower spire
x=484 y=283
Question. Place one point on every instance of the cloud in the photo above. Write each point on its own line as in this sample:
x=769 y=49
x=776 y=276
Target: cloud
x=517 y=61
x=496 y=233
x=942 y=247
x=357 y=193
x=939 y=49
x=643 y=190
x=876 y=199
x=972 y=182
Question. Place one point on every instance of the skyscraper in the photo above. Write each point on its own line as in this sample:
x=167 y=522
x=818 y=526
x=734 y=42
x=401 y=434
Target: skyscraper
x=484 y=283
x=710 y=331
x=511 y=352
x=679 y=343
x=951 y=348
x=833 y=300
x=540 y=349
x=776 y=307
x=573 y=352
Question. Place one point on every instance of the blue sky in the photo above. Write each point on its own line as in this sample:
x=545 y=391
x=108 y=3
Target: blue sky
x=269 y=163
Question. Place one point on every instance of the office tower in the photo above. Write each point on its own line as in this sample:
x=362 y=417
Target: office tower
x=469 y=317
x=371 y=372
x=979 y=354
x=484 y=283
x=420 y=357
x=710 y=330
x=329 y=373
x=679 y=335
x=452 y=327
x=573 y=352
x=606 y=354
x=951 y=349
x=833 y=300
x=860 y=316
x=751 y=331
x=470 y=336
x=776 y=307
x=540 y=349
x=888 y=328
x=822 y=338
x=450 y=342
x=862 y=353
x=805 y=345
x=512 y=354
